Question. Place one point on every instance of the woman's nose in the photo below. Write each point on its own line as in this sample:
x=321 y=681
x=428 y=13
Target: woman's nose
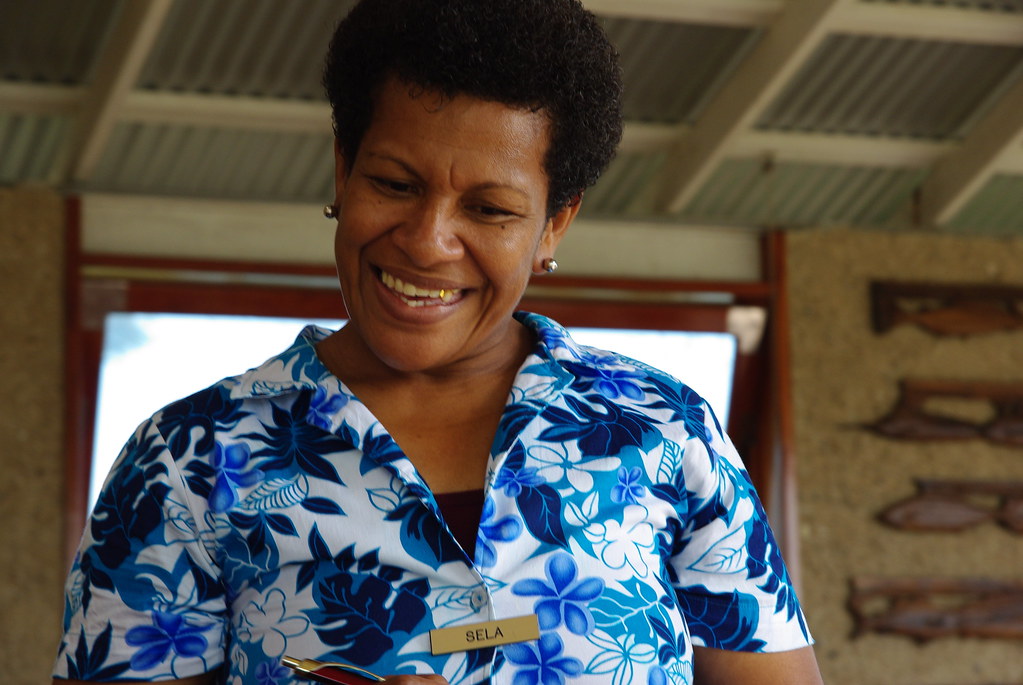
x=429 y=234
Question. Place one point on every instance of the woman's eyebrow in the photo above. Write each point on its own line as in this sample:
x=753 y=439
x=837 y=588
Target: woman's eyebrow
x=487 y=185
x=395 y=160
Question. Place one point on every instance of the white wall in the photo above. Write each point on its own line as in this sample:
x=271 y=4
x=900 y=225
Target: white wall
x=219 y=230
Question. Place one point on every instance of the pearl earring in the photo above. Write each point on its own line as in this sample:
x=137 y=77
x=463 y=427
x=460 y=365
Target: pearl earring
x=550 y=265
x=330 y=211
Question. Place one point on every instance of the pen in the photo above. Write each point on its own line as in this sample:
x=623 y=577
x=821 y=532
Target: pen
x=330 y=672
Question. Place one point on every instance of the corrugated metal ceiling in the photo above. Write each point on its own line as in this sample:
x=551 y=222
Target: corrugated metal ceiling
x=881 y=109
x=880 y=86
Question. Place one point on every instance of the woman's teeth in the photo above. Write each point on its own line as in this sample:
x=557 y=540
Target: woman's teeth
x=407 y=291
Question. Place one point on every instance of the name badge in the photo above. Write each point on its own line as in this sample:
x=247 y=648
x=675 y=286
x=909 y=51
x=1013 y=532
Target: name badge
x=504 y=631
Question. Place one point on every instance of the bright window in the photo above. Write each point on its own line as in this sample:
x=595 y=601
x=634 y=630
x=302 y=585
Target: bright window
x=151 y=359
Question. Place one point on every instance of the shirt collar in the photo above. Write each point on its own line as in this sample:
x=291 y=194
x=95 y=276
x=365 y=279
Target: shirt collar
x=297 y=368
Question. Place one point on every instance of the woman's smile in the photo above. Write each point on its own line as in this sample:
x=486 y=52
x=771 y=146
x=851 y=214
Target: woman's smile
x=414 y=296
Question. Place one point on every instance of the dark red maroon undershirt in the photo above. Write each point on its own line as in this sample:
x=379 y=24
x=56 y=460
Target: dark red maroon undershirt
x=462 y=511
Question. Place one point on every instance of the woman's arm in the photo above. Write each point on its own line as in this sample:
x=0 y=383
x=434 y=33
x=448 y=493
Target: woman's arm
x=721 y=667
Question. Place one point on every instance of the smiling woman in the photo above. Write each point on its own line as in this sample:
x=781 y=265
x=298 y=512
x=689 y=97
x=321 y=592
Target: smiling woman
x=315 y=506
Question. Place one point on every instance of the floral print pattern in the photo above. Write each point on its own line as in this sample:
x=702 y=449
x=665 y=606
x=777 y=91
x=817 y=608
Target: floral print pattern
x=272 y=514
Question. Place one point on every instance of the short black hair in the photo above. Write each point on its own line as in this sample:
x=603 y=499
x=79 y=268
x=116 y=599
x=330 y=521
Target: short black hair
x=550 y=56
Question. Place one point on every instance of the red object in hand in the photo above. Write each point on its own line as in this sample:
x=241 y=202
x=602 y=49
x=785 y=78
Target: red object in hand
x=327 y=672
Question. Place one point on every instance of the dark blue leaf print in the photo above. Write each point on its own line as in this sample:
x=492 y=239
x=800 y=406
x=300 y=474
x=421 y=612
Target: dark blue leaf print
x=281 y=524
x=322 y=505
x=600 y=427
x=201 y=486
x=515 y=419
x=373 y=614
x=480 y=658
x=201 y=469
x=662 y=630
x=540 y=507
x=674 y=646
x=686 y=406
x=207 y=587
x=381 y=449
x=667 y=492
x=259 y=540
x=764 y=561
x=318 y=546
x=94 y=576
x=242 y=520
x=92 y=664
x=128 y=510
x=368 y=561
x=201 y=413
x=319 y=551
x=291 y=439
x=516 y=458
x=722 y=621
x=256 y=540
x=422 y=534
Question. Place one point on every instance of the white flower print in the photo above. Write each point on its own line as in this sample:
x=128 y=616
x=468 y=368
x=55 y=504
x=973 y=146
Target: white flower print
x=268 y=620
x=557 y=463
x=623 y=545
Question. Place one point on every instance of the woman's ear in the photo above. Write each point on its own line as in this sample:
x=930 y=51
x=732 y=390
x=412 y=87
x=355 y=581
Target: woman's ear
x=553 y=232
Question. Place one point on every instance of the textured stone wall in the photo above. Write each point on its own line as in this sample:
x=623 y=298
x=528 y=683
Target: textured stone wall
x=31 y=431
x=843 y=376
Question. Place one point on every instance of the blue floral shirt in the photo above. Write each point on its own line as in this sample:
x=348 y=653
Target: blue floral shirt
x=272 y=514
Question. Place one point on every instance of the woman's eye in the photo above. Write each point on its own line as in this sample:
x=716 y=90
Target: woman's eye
x=491 y=211
x=394 y=186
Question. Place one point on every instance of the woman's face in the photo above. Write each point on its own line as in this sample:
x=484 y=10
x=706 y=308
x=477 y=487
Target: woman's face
x=442 y=220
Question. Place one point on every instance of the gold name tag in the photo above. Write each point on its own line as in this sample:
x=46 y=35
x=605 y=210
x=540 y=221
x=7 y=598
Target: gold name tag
x=487 y=634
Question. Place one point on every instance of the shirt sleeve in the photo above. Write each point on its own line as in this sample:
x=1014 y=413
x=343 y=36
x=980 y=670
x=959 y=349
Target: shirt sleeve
x=143 y=600
x=729 y=576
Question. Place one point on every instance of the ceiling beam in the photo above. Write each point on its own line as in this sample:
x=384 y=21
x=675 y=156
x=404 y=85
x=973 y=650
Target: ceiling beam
x=227 y=111
x=896 y=20
x=920 y=22
x=1013 y=163
x=117 y=71
x=641 y=137
x=32 y=98
x=786 y=47
x=717 y=12
x=840 y=150
x=995 y=143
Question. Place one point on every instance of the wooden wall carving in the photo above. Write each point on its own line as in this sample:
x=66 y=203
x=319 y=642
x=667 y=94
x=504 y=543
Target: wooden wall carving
x=910 y=418
x=928 y=608
x=955 y=505
x=946 y=309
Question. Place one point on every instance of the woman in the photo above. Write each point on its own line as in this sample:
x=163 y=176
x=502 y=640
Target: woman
x=315 y=507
